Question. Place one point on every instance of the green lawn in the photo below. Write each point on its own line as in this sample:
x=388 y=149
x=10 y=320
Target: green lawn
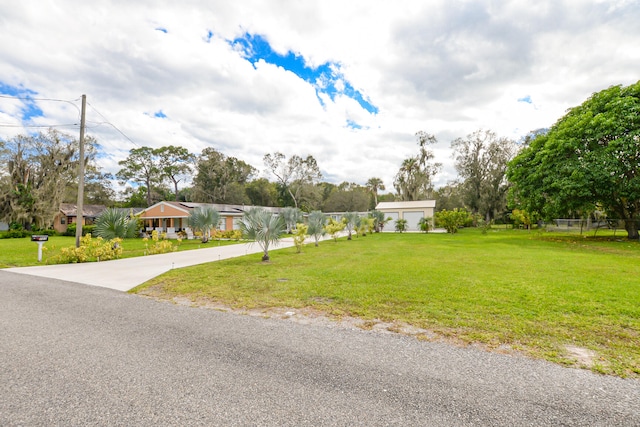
x=511 y=290
x=23 y=252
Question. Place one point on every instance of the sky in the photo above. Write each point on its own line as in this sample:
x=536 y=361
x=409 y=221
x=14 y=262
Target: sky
x=348 y=82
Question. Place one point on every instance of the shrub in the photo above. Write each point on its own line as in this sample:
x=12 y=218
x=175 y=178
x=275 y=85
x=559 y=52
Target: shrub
x=15 y=234
x=425 y=224
x=71 y=230
x=401 y=225
x=160 y=244
x=114 y=223
x=299 y=236
x=452 y=220
x=90 y=249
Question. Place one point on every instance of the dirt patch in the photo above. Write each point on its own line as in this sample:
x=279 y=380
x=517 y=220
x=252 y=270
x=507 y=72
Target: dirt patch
x=583 y=357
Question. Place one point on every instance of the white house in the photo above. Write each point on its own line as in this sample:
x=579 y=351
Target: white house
x=411 y=211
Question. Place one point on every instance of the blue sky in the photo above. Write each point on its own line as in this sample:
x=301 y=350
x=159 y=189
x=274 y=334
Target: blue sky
x=347 y=82
x=326 y=78
x=29 y=107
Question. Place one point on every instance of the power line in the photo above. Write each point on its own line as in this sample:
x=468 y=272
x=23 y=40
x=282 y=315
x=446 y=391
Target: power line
x=112 y=125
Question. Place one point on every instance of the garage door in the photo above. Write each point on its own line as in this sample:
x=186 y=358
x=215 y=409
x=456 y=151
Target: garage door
x=412 y=220
x=390 y=225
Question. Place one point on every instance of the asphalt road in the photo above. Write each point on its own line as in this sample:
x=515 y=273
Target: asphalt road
x=72 y=354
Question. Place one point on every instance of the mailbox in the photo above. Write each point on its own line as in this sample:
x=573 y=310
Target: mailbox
x=39 y=237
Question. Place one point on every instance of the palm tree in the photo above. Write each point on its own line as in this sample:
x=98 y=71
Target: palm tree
x=401 y=225
x=373 y=185
x=317 y=221
x=425 y=224
x=350 y=220
x=291 y=216
x=204 y=219
x=263 y=227
x=114 y=223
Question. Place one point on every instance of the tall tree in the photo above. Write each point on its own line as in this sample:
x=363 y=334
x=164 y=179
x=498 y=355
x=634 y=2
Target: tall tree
x=174 y=164
x=261 y=192
x=590 y=158
x=37 y=169
x=221 y=179
x=414 y=179
x=481 y=161
x=373 y=186
x=141 y=167
x=347 y=197
x=295 y=174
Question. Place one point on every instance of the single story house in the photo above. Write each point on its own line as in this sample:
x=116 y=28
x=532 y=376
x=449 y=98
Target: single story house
x=69 y=214
x=411 y=211
x=172 y=217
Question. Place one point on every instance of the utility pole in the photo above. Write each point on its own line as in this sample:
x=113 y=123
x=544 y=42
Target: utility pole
x=79 y=207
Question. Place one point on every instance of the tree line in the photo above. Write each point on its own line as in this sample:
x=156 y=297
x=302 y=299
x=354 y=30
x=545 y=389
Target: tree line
x=587 y=164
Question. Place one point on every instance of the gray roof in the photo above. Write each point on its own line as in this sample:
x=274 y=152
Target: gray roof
x=91 y=211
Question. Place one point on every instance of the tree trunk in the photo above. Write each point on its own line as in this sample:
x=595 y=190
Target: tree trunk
x=265 y=257
x=631 y=225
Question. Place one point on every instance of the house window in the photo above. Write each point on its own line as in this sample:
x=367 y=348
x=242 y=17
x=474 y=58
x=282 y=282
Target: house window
x=63 y=220
x=161 y=208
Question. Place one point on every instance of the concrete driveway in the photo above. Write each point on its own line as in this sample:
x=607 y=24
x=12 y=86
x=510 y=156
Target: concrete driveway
x=125 y=274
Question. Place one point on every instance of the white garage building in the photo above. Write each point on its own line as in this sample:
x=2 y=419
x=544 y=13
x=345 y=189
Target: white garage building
x=411 y=211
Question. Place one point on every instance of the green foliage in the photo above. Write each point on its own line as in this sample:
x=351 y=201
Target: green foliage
x=291 y=216
x=114 y=223
x=295 y=175
x=203 y=219
x=364 y=226
x=413 y=180
x=90 y=249
x=453 y=220
x=159 y=244
x=86 y=229
x=350 y=221
x=521 y=218
x=481 y=161
x=222 y=179
x=588 y=158
x=425 y=223
x=379 y=221
x=507 y=290
x=316 y=225
x=299 y=236
x=401 y=225
x=333 y=228
x=36 y=170
x=15 y=234
x=263 y=227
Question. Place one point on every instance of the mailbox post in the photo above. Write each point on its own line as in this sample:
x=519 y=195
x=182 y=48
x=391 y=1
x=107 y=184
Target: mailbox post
x=39 y=239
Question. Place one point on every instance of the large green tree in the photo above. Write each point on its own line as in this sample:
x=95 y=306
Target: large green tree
x=174 y=164
x=347 y=197
x=590 y=159
x=414 y=178
x=297 y=176
x=37 y=170
x=221 y=179
x=481 y=161
x=141 y=167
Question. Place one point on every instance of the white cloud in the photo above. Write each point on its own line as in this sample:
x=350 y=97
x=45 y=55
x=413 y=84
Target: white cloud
x=448 y=68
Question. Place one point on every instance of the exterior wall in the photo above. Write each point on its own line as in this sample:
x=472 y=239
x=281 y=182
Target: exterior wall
x=164 y=211
x=61 y=222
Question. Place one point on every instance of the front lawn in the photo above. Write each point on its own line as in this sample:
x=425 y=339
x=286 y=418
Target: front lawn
x=543 y=294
